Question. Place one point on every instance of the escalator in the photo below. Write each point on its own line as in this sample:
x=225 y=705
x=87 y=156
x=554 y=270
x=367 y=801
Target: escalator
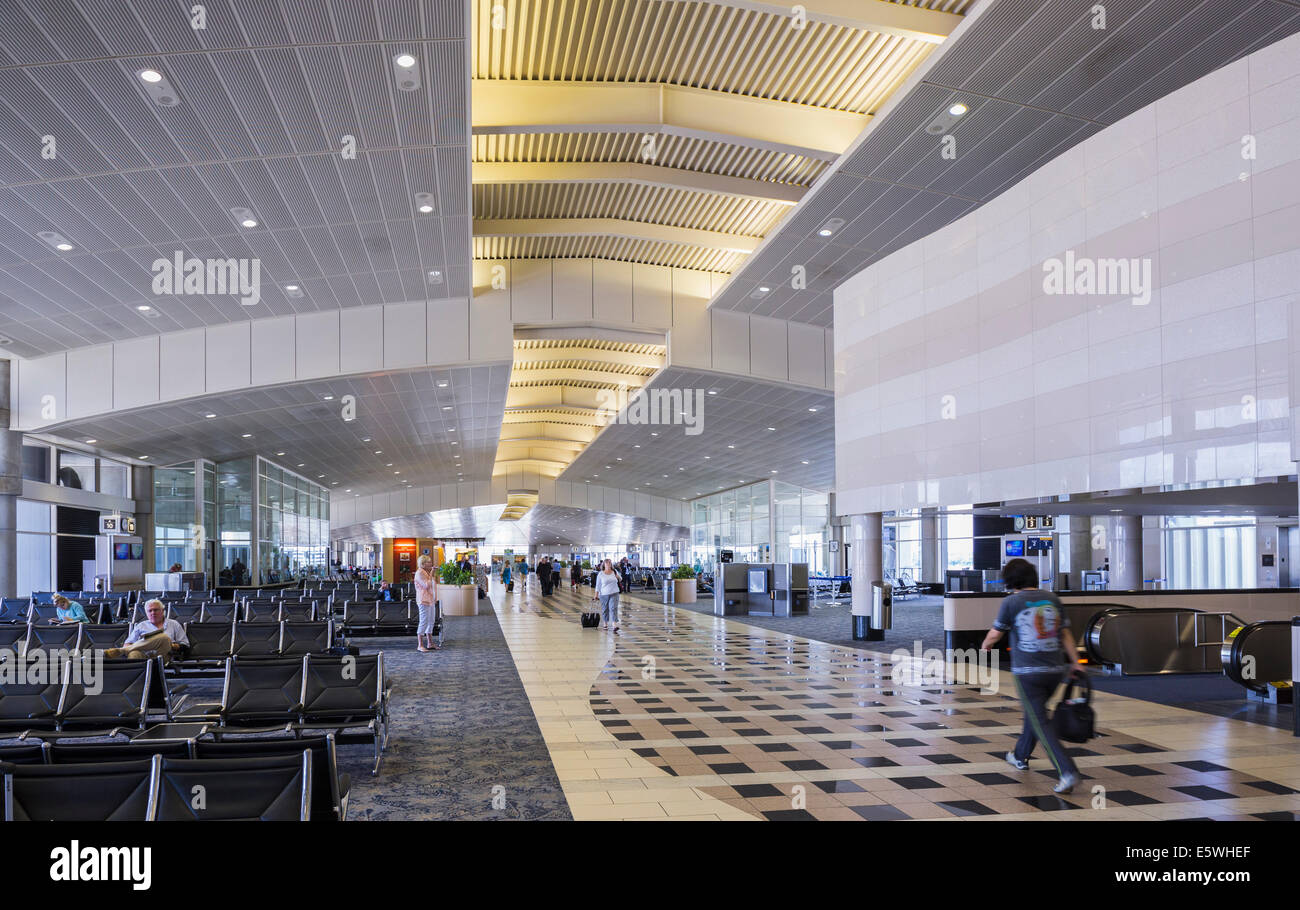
x=1258 y=656
x=1159 y=640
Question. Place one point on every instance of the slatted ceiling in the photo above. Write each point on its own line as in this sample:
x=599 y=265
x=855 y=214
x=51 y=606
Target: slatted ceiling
x=703 y=45
x=678 y=208
x=618 y=249
x=681 y=152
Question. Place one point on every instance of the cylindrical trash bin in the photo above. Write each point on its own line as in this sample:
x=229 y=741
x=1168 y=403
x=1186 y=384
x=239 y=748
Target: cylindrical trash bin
x=668 y=591
x=882 y=610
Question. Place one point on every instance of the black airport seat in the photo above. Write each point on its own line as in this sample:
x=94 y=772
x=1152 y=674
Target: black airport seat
x=42 y=597
x=255 y=639
x=101 y=636
x=341 y=693
x=104 y=791
x=121 y=699
x=13 y=637
x=184 y=612
x=262 y=611
x=210 y=644
x=14 y=609
x=24 y=754
x=262 y=692
x=60 y=753
x=299 y=638
x=330 y=789
x=31 y=702
x=219 y=612
x=43 y=613
x=393 y=618
x=62 y=637
x=298 y=612
x=358 y=618
x=272 y=788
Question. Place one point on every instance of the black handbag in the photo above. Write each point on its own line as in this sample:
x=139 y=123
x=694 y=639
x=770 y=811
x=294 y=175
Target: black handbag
x=1074 y=718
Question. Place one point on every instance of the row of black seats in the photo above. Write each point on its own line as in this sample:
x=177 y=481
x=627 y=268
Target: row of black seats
x=36 y=796
x=343 y=694
x=212 y=642
x=276 y=788
x=386 y=618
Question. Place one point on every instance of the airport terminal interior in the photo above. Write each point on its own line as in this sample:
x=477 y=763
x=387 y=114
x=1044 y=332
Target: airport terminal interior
x=641 y=409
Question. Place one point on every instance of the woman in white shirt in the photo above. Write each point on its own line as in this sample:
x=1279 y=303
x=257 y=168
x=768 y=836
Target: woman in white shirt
x=424 y=599
x=607 y=582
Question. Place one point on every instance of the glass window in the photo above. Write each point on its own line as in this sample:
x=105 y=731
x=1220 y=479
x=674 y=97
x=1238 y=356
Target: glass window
x=114 y=478
x=36 y=463
x=76 y=471
x=34 y=516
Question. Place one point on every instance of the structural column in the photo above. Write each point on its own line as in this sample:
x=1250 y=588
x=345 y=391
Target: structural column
x=1082 y=556
x=11 y=486
x=1126 y=553
x=142 y=493
x=867 y=562
x=930 y=571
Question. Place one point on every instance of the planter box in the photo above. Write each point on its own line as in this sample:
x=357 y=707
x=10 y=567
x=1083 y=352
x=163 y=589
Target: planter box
x=684 y=590
x=458 y=600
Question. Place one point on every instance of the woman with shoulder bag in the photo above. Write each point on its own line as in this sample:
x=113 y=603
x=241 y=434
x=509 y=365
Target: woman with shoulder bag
x=425 y=588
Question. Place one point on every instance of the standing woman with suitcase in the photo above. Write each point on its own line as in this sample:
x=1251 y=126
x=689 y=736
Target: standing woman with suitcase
x=505 y=578
x=1041 y=646
x=607 y=586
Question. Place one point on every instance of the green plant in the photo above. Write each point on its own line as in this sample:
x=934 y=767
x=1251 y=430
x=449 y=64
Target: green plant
x=586 y=563
x=683 y=571
x=451 y=574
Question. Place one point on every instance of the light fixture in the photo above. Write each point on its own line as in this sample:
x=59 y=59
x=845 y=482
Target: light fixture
x=958 y=109
x=774 y=472
x=56 y=240
x=771 y=429
x=91 y=442
x=731 y=447
x=279 y=453
x=803 y=462
x=328 y=397
x=293 y=290
x=406 y=72
x=142 y=457
x=157 y=87
x=320 y=476
x=244 y=217
x=302 y=464
x=830 y=227
x=812 y=410
x=366 y=439
x=247 y=435
x=379 y=451
x=144 y=308
x=150 y=75
x=209 y=416
x=424 y=202
x=442 y=384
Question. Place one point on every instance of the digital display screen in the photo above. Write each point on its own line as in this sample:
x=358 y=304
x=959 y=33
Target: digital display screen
x=1039 y=544
x=758 y=581
x=137 y=551
x=121 y=551
x=1015 y=548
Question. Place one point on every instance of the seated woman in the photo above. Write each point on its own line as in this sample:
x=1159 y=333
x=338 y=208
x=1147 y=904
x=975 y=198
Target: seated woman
x=69 y=610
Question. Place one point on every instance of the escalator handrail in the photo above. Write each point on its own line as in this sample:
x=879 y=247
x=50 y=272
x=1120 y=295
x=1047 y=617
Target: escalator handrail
x=1231 y=653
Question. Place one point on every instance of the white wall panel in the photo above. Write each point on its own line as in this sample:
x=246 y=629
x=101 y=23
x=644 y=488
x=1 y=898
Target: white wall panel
x=42 y=390
x=316 y=342
x=768 y=348
x=135 y=373
x=229 y=357
x=405 y=333
x=361 y=338
x=652 y=296
x=572 y=286
x=90 y=380
x=806 y=353
x=612 y=292
x=730 y=341
x=530 y=291
x=183 y=364
x=448 y=331
x=275 y=351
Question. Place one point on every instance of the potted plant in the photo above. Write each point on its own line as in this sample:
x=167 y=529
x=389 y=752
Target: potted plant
x=456 y=591
x=684 y=584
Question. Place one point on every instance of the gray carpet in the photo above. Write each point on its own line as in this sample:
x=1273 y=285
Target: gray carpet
x=915 y=619
x=461 y=725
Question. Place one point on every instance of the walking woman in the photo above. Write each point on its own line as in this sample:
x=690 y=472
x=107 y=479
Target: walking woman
x=425 y=590
x=1041 y=646
x=607 y=584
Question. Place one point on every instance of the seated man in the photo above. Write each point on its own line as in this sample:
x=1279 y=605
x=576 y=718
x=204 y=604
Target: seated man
x=154 y=637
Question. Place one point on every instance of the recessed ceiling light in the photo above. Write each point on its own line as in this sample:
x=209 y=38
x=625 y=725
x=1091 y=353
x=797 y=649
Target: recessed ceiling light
x=279 y=453
x=958 y=109
x=379 y=451
x=366 y=439
x=830 y=227
x=91 y=441
x=142 y=457
x=389 y=465
x=713 y=391
x=774 y=472
x=636 y=445
x=302 y=464
x=451 y=429
x=209 y=416
x=348 y=490
x=442 y=384
x=247 y=435
x=453 y=443
x=803 y=462
x=812 y=410
x=320 y=476
x=731 y=447
x=150 y=75
x=426 y=209
x=405 y=60
x=144 y=308
x=63 y=247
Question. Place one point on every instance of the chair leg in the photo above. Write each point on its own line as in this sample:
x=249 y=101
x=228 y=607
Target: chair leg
x=379 y=757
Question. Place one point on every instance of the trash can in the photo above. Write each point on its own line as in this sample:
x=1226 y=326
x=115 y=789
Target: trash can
x=882 y=610
x=668 y=591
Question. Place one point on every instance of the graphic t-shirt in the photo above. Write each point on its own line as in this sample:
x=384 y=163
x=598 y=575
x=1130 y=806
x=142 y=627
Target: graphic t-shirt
x=1034 y=620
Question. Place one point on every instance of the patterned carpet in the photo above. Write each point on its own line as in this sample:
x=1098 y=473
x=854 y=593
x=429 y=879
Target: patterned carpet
x=461 y=725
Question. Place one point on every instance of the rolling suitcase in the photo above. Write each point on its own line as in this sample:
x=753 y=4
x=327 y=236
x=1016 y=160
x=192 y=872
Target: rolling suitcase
x=591 y=620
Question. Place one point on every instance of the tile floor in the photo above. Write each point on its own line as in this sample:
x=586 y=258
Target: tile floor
x=688 y=716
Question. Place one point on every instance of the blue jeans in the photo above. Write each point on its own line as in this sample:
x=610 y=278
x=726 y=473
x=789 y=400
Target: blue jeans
x=609 y=608
x=1034 y=689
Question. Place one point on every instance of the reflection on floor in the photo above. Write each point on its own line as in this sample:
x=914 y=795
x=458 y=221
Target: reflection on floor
x=683 y=715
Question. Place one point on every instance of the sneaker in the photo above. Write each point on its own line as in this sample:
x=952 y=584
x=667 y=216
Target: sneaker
x=1017 y=763
x=1066 y=784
